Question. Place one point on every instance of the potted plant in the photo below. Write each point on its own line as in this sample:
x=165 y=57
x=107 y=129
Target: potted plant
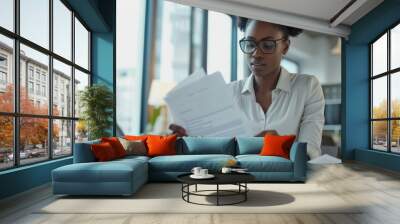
x=96 y=103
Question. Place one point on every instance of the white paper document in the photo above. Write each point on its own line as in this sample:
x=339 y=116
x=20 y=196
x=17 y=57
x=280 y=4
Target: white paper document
x=205 y=107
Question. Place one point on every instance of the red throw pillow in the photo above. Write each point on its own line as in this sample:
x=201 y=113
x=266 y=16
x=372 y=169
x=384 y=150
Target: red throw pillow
x=161 y=145
x=103 y=152
x=275 y=145
x=135 y=137
x=116 y=145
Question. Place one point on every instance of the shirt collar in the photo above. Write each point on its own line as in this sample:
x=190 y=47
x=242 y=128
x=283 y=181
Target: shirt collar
x=284 y=82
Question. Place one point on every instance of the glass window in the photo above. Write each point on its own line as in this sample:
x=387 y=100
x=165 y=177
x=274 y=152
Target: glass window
x=219 y=44
x=242 y=68
x=81 y=45
x=395 y=47
x=62 y=29
x=197 y=38
x=7 y=14
x=40 y=62
x=395 y=95
x=379 y=135
x=379 y=56
x=62 y=138
x=379 y=98
x=6 y=73
x=6 y=142
x=35 y=21
x=81 y=82
x=130 y=37
x=290 y=65
x=395 y=136
x=34 y=144
x=172 y=62
x=63 y=72
x=81 y=131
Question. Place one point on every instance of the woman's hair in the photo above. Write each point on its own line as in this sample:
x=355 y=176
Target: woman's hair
x=287 y=30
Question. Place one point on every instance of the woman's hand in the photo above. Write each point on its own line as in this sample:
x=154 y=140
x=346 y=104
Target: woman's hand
x=178 y=130
x=269 y=132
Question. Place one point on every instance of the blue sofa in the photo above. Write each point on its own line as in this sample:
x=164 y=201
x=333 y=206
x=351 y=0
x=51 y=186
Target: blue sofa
x=125 y=176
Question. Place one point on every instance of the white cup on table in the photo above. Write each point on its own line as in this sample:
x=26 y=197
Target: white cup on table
x=196 y=171
x=203 y=172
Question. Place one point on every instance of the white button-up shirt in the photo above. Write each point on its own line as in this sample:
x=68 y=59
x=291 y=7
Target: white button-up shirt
x=297 y=108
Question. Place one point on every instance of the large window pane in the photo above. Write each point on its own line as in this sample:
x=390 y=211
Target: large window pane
x=34 y=80
x=62 y=29
x=130 y=37
x=242 y=68
x=6 y=74
x=379 y=135
x=62 y=89
x=395 y=136
x=197 y=39
x=7 y=14
x=219 y=44
x=33 y=139
x=395 y=95
x=172 y=64
x=379 y=56
x=81 y=45
x=81 y=131
x=35 y=21
x=62 y=138
x=379 y=98
x=290 y=65
x=81 y=82
x=6 y=142
x=395 y=47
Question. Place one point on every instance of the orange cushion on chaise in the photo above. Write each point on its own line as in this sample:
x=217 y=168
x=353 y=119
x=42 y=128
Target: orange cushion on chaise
x=161 y=145
x=103 y=152
x=275 y=145
x=116 y=145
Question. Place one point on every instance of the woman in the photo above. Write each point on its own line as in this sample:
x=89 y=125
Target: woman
x=274 y=100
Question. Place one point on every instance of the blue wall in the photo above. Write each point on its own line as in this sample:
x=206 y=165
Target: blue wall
x=99 y=15
x=356 y=85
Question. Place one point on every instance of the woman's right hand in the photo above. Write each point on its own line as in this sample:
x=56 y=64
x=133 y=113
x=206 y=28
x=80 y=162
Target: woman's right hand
x=178 y=130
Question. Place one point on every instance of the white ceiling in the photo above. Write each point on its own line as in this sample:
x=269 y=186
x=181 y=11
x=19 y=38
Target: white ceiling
x=313 y=15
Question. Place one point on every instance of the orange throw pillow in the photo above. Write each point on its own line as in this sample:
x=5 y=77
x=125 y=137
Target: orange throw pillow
x=161 y=145
x=116 y=145
x=275 y=145
x=135 y=137
x=103 y=152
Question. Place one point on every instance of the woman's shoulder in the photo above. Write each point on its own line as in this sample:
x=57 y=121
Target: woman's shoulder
x=303 y=80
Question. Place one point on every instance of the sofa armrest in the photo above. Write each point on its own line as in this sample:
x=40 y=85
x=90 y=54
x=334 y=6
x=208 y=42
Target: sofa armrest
x=298 y=155
x=83 y=152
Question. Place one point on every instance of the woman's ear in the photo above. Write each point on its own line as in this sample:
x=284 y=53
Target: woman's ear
x=286 y=46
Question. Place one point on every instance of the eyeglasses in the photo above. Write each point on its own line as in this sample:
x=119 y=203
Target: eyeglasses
x=266 y=46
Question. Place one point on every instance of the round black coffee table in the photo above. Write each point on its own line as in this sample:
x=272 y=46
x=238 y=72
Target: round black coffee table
x=238 y=179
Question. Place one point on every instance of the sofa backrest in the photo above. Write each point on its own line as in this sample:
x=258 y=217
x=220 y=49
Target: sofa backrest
x=249 y=145
x=206 y=145
x=83 y=152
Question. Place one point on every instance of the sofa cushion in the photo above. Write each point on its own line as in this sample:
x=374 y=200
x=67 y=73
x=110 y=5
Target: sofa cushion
x=257 y=163
x=83 y=152
x=103 y=152
x=159 y=145
x=277 y=145
x=249 y=145
x=206 y=145
x=111 y=171
x=116 y=145
x=185 y=163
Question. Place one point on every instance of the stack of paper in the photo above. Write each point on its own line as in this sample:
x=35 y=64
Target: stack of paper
x=204 y=106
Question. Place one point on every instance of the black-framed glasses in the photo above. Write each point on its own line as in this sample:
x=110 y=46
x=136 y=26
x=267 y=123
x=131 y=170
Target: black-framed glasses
x=266 y=46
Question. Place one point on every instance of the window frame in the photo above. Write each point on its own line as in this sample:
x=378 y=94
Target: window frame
x=16 y=115
x=388 y=74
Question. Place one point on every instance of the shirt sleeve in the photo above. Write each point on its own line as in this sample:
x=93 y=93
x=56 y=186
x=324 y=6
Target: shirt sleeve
x=312 y=120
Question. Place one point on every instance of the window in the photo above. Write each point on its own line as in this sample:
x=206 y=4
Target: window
x=172 y=62
x=290 y=66
x=385 y=94
x=44 y=132
x=219 y=44
x=242 y=68
x=81 y=45
x=7 y=14
x=130 y=38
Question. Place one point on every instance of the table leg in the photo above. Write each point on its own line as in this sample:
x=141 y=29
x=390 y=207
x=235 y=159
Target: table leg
x=217 y=194
x=196 y=188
